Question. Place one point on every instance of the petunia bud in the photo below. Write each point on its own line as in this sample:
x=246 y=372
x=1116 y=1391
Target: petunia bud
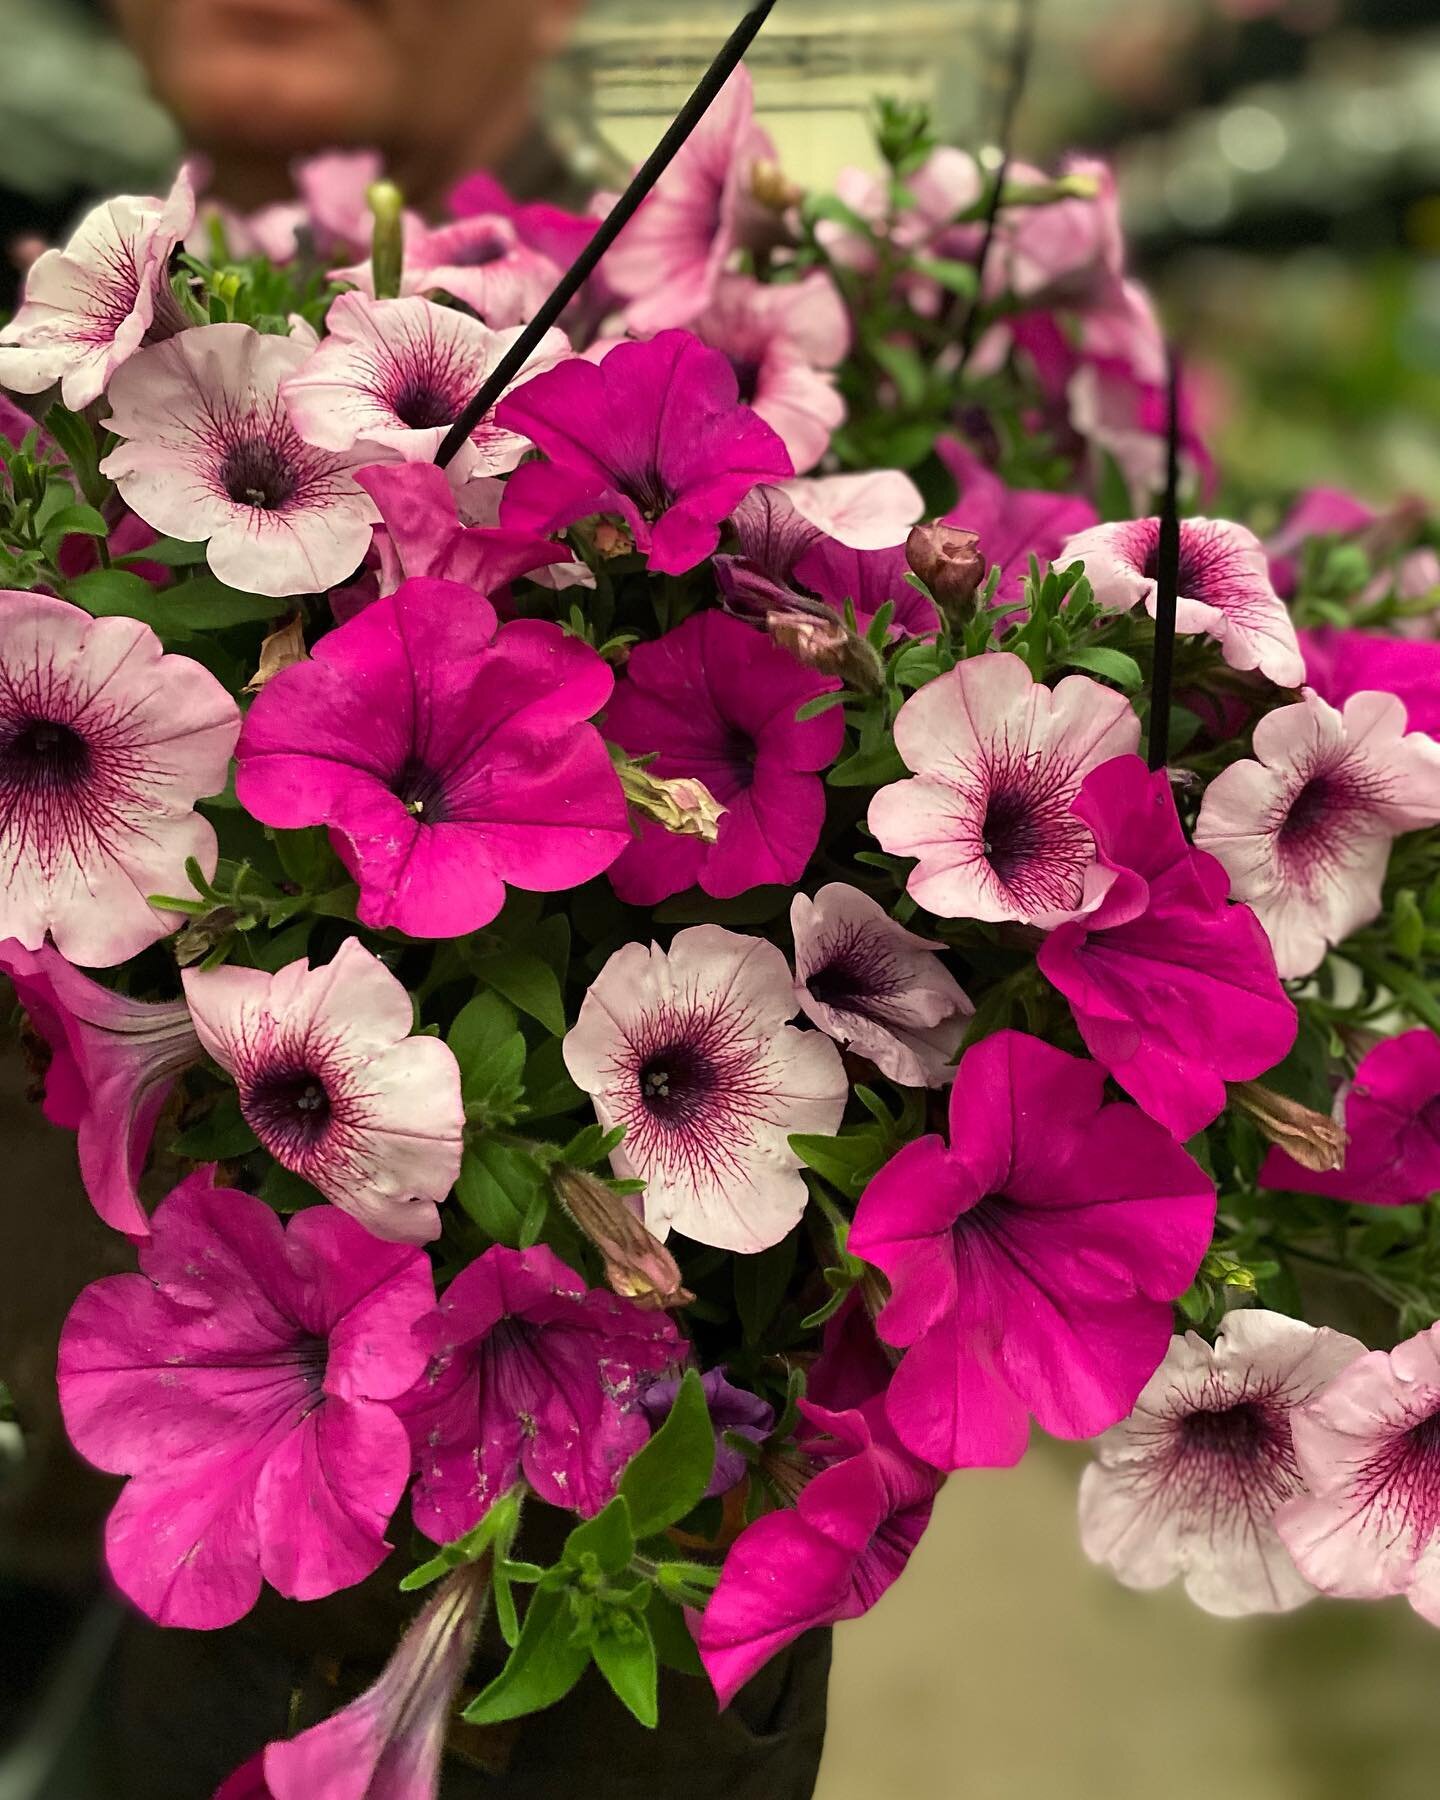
x=825 y=643
x=612 y=540
x=774 y=190
x=387 y=244
x=638 y=1267
x=949 y=562
x=1313 y=1139
x=681 y=804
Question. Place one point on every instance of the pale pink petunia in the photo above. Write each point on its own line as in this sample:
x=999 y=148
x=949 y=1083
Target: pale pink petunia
x=1224 y=590
x=876 y=987
x=396 y=374
x=106 y=743
x=244 y=1380
x=1368 y=1448
x=334 y=1085
x=113 y=1063
x=998 y=760
x=89 y=307
x=1305 y=829
x=871 y=510
x=690 y=1050
x=1190 y=1483
x=209 y=453
x=481 y=261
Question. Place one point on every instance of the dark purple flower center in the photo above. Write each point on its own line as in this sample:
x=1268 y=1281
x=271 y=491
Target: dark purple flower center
x=421 y=404
x=478 y=252
x=650 y=492
x=1402 y=1480
x=289 y=1110
x=43 y=756
x=856 y=977
x=258 y=473
x=1243 y=1432
x=1309 y=809
x=1010 y=834
x=1315 y=834
x=1192 y=566
x=421 y=791
x=747 y=375
x=676 y=1080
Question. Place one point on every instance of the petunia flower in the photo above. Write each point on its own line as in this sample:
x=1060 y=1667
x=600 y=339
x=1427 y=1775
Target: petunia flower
x=1190 y=1483
x=1305 y=830
x=209 y=452
x=998 y=761
x=106 y=743
x=716 y=701
x=553 y=231
x=669 y=258
x=396 y=374
x=1032 y=1261
x=89 y=307
x=690 y=1050
x=113 y=1063
x=876 y=987
x=1012 y=524
x=831 y=1557
x=1339 y=664
x=1369 y=1524
x=529 y=1375
x=869 y=579
x=1224 y=589
x=654 y=434
x=1390 y=1113
x=1173 y=988
x=867 y=511
x=732 y=1410
x=447 y=759
x=480 y=261
x=244 y=1381
x=334 y=1086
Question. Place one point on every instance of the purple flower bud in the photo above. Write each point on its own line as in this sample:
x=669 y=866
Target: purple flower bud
x=950 y=563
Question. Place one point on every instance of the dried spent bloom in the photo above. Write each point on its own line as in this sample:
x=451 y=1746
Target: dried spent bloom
x=691 y=1051
x=638 y=1267
x=1304 y=830
x=335 y=1087
x=950 y=563
x=1311 y=1139
x=998 y=760
x=684 y=805
x=1191 y=1482
x=106 y=743
x=209 y=452
x=876 y=987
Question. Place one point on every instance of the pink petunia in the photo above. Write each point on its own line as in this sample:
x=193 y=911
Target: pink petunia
x=1032 y=1261
x=529 y=1376
x=106 y=743
x=336 y=1088
x=1340 y=664
x=831 y=1557
x=480 y=261
x=1369 y=1525
x=998 y=760
x=716 y=701
x=691 y=1051
x=558 y=234
x=244 y=1381
x=876 y=987
x=1012 y=524
x=1305 y=830
x=209 y=452
x=1173 y=988
x=448 y=759
x=669 y=258
x=1391 y=1116
x=89 y=307
x=113 y=1063
x=869 y=579
x=1225 y=588
x=654 y=434
x=872 y=510
x=396 y=374
x=1190 y=1483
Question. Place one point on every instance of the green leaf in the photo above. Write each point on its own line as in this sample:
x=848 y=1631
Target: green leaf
x=760 y=1284
x=221 y=1134
x=549 y=1091
x=868 y=768
x=81 y=521
x=626 y=1658
x=498 y=1527
x=607 y=1537
x=846 y=1162
x=112 y=593
x=207 y=604
x=541 y=1669
x=490 y=1050
x=528 y=982
x=756 y=907
x=956 y=277
x=286 y=1192
x=307 y=858
x=673 y=1642
x=172 y=552
x=498 y=1185
x=1113 y=665
x=670 y=1474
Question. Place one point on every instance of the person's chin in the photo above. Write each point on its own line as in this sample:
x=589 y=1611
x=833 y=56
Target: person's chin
x=269 y=100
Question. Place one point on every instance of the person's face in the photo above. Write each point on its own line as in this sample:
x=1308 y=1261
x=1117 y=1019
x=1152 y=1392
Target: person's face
x=283 y=76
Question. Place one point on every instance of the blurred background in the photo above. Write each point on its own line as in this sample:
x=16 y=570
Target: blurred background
x=1279 y=164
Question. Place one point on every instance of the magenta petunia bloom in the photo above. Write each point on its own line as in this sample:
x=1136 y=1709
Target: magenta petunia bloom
x=113 y=1063
x=1305 y=830
x=481 y=260
x=335 y=1087
x=655 y=434
x=446 y=758
x=551 y=230
x=716 y=701
x=1340 y=664
x=89 y=307
x=1033 y=1261
x=1225 y=588
x=876 y=987
x=1391 y=1116
x=396 y=374
x=998 y=760
x=691 y=1051
x=530 y=1376
x=209 y=452
x=1012 y=524
x=1369 y=1525
x=1190 y=1483
x=106 y=743
x=847 y=1539
x=870 y=579
x=1173 y=988
x=243 y=1381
